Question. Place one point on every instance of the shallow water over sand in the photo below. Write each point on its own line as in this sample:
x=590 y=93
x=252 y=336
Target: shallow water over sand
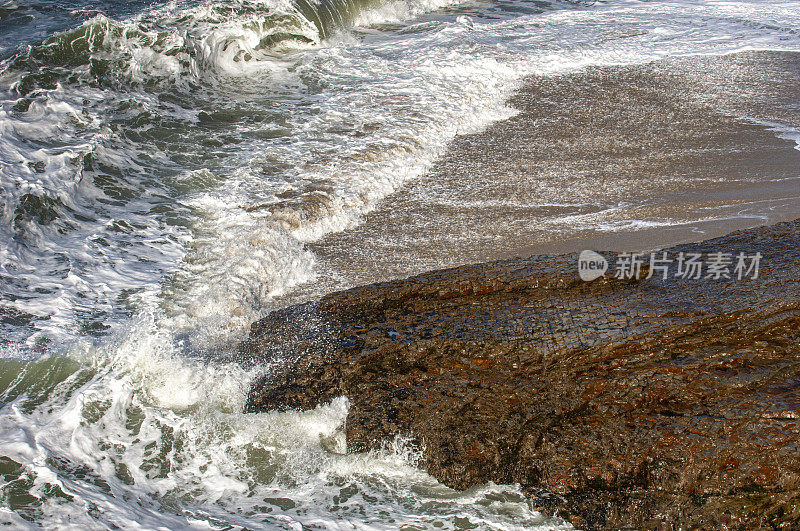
x=617 y=158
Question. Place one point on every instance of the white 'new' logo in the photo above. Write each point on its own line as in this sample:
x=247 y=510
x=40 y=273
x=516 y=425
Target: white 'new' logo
x=591 y=265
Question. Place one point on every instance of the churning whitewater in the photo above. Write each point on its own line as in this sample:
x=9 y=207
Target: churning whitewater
x=164 y=167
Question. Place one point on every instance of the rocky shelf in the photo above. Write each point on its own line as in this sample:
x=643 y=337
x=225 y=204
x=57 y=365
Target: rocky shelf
x=615 y=403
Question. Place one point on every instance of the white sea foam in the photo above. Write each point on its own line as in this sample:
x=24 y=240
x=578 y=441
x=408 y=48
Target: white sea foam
x=199 y=202
x=136 y=436
x=783 y=130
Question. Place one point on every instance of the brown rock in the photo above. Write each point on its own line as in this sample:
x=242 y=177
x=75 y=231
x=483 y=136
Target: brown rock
x=616 y=404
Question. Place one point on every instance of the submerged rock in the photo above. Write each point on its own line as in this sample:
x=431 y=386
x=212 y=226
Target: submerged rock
x=614 y=403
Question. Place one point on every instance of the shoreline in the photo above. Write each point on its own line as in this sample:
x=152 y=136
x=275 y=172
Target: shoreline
x=469 y=330
x=658 y=153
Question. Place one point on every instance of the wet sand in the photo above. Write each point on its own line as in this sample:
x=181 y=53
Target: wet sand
x=612 y=158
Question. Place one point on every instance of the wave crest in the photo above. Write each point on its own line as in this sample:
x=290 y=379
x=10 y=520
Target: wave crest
x=211 y=39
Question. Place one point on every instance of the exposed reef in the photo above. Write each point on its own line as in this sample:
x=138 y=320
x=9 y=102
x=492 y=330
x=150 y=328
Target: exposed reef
x=614 y=403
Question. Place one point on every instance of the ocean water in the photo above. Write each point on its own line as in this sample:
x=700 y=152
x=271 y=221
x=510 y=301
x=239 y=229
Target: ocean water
x=164 y=167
